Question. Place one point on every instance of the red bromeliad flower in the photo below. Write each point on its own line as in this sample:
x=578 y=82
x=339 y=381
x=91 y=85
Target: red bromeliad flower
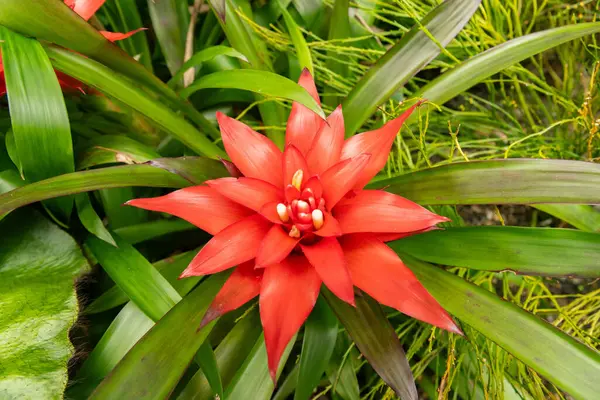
x=85 y=9
x=301 y=218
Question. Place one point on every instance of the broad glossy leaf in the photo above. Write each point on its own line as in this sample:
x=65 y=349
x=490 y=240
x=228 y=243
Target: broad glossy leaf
x=261 y=82
x=40 y=124
x=581 y=216
x=85 y=181
x=9 y=180
x=152 y=368
x=414 y=51
x=253 y=376
x=230 y=354
x=511 y=181
x=90 y=220
x=320 y=333
x=471 y=72
x=170 y=268
x=170 y=20
x=39 y=263
x=134 y=234
x=376 y=339
x=111 y=149
x=531 y=251
x=203 y=56
x=142 y=283
x=564 y=361
x=113 y=84
x=302 y=50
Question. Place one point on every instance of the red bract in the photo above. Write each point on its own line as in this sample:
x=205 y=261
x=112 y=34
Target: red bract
x=85 y=9
x=300 y=218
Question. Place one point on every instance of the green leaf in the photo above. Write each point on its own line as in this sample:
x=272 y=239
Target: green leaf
x=376 y=339
x=117 y=215
x=512 y=181
x=560 y=358
x=414 y=51
x=124 y=16
x=207 y=361
x=302 y=50
x=39 y=119
x=170 y=268
x=142 y=283
x=320 y=334
x=195 y=170
x=85 y=181
x=339 y=28
x=478 y=68
x=38 y=265
x=203 y=56
x=90 y=220
x=170 y=20
x=341 y=369
x=110 y=149
x=107 y=81
x=582 y=217
x=9 y=180
x=532 y=251
x=230 y=354
x=253 y=377
x=134 y=234
x=152 y=368
x=261 y=82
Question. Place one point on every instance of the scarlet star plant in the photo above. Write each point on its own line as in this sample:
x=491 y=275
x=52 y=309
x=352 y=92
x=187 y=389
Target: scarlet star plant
x=301 y=218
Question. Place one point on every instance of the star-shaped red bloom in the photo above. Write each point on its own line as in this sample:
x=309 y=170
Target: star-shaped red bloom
x=301 y=218
x=85 y=9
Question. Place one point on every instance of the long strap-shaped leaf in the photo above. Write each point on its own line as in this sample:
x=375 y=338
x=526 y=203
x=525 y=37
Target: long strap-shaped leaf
x=107 y=81
x=376 y=339
x=40 y=124
x=534 y=251
x=152 y=368
x=414 y=51
x=181 y=172
x=569 y=364
x=486 y=64
x=512 y=181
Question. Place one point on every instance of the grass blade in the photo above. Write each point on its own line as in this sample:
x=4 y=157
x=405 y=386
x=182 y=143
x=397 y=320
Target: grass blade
x=512 y=181
x=40 y=123
x=170 y=20
x=111 y=149
x=90 y=220
x=582 y=217
x=414 y=51
x=261 y=82
x=135 y=234
x=302 y=50
x=531 y=251
x=107 y=81
x=566 y=362
x=376 y=339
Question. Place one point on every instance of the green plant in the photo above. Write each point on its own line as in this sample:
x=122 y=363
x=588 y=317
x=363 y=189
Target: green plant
x=131 y=135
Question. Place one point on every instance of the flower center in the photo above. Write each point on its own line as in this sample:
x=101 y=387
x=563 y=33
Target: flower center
x=302 y=213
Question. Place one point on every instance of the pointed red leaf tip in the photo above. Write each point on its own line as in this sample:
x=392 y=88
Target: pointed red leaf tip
x=241 y=287
x=199 y=205
x=115 y=36
x=293 y=160
x=85 y=8
x=249 y=192
x=378 y=143
x=276 y=246
x=234 y=245
x=288 y=293
x=377 y=269
x=327 y=257
x=231 y=168
x=303 y=124
x=327 y=145
x=379 y=211
x=341 y=178
x=254 y=154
